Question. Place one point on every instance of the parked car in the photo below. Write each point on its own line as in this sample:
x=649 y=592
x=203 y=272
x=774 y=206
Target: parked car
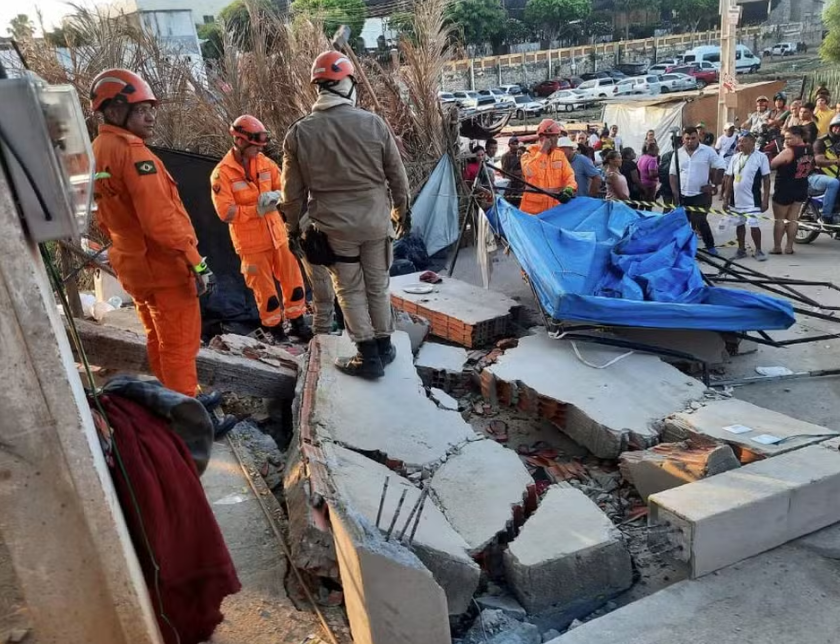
x=548 y=87
x=469 y=99
x=526 y=107
x=498 y=95
x=575 y=80
x=633 y=69
x=593 y=75
x=676 y=82
x=446 y=98
x=597 y=88
x=659 y=68
x=703 y=76
x=647 y=84
x=616 y=74
x=513 y=90
x=565 y=100
x=624 y=87
x=781 y=49
x=745 y=60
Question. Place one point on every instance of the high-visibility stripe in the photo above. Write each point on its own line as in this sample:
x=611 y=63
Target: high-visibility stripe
x=102 y=175
x=231 y=214
x=264 y=176
x=274 y=319
x=239 y=185
x=296 y=310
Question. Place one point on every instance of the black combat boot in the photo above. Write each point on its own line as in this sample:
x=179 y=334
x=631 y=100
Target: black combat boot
x=210 y=400
x=300 y=329
x=387 y=351
x=276 y=332
x=365 y=364
x=221 y=426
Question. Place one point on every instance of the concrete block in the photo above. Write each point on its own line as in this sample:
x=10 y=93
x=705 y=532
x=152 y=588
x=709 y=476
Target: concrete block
x=358 y=481
x=442 y=357
x=505 y=603
x=712 y=419
x=606 y=410
x=497 y=627
x=390 y=596
x=786 y=595
x=478 y=488
x=391 y=415
x=726 y=518
x=568 y=553
x=416 y=327
x=708 y=346
x=670 y=465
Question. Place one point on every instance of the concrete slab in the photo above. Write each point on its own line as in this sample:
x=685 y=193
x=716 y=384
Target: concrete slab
x=708 y=346
x=714 y=417
x=606 y=410
x=726 y=518
x=568 y=553
x=391 y=415
x=670 y=465
x=358 y=482
x=390 y=596
x=443 y=357
x=478 y=488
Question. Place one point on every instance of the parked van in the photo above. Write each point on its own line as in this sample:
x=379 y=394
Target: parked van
x=745 y=60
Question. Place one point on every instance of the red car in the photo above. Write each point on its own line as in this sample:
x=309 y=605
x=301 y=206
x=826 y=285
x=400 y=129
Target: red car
x=703 y=76
x=547 y=88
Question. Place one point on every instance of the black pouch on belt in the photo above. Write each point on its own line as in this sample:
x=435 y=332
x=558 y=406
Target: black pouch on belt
x=318 y=251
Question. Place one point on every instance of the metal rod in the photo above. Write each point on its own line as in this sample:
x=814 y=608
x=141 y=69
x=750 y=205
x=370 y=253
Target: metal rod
x=749 y=380
x=410 y=516
x=423 y=498
x=382 y=501
x=533 y=188
x=396 y=514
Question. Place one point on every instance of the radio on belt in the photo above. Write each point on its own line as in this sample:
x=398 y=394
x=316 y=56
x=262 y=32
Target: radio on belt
x=45 y=127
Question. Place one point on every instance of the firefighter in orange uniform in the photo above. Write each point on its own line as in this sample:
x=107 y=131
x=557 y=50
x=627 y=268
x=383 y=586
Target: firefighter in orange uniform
x=245 y=191
x=154 y=248
x=545 y=166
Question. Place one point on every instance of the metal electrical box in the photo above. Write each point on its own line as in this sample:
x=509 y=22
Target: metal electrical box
x=42 y=129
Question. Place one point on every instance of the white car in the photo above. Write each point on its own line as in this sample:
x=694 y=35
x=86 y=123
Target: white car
x=527 y=107
x=513 y=90
x=597 y=88
x=498 y=95
x=565 y=100
x=446 y=98
x=647 y=84
x=659 y=68
x=470 y=99
x=625 y=87
x=676 y=82
x=781 y=49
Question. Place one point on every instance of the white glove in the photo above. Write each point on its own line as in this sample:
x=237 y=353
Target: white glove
x=268 y=202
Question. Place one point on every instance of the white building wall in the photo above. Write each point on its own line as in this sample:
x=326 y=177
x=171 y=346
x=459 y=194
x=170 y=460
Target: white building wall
x=199 y=8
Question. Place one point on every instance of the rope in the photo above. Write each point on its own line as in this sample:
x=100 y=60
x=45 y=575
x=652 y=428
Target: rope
x=556 y=335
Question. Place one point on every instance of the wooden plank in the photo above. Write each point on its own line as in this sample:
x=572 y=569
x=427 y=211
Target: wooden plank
x=122 y=350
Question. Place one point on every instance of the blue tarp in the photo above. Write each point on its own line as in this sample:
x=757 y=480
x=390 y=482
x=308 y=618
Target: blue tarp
x=603 y=262
x=434 y=213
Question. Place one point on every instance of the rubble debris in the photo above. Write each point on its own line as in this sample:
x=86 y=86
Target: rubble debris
x=443 y=399
x=391 y=415
x=724 y=519
x=458 y=312
x=477 y=490
x=738 y=423
x=415 y=326
x=358 y=483
x=248 y=347
x=552 y=634
x=497 y=627
x=444 y=367
x=670 y=465
x=606 y=410
x=505 y=603
x=568 y=553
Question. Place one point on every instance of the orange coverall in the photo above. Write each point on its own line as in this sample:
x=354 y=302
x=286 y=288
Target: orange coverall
x=260 y=241
x=547 y=171
x=153 y=252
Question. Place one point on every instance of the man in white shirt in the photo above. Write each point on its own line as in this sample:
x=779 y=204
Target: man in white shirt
x=746 y=193
x=727 y=142
x=700 y=174
x=619 y=143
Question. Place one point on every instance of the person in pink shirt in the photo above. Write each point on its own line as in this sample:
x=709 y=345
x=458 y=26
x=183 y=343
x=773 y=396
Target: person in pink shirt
x=649 y=171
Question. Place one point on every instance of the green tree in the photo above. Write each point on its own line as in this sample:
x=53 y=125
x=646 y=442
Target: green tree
x=552 y=19
x=21 y=27
x=692 y=13
x=334 y=13
x=629 y=6
x=478 y=21
x=212 y=46
x=830 y=48
x=67 y=37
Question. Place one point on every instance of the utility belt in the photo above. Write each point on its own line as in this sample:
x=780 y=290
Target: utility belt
x=317 y=250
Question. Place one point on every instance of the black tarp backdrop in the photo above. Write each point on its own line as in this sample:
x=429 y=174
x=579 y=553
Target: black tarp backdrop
x=231 y=303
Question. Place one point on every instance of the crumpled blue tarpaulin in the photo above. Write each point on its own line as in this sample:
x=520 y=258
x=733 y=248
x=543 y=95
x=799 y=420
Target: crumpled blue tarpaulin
x=603 y=262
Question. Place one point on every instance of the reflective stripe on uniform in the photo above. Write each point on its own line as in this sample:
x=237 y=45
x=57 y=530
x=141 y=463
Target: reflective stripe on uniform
x=274 y=319
x=102 y=175
x=231 y=214
x=296 y=310
x=239 y=185
x=264 y=176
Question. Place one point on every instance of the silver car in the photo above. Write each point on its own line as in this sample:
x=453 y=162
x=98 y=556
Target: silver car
x=676 y=82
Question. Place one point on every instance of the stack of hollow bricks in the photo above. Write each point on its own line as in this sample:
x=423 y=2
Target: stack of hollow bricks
x=513 y=394
x=453 y=329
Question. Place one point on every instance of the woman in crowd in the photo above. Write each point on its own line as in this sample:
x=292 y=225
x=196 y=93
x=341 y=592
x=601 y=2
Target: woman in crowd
x=649 y=171
x=617 y=189
x=630 y=170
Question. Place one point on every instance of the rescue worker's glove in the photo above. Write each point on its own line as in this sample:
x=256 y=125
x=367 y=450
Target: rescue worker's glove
x=267 y=202
x=566 y=195
x=205 y=281
x=402 y=222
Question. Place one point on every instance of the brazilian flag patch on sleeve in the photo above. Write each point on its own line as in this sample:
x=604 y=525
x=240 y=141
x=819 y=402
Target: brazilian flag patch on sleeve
x=145 y=167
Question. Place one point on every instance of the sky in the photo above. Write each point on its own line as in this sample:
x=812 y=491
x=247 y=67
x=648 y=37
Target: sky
x=53 y=11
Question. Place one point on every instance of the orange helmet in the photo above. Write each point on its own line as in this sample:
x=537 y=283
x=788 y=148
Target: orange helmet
x=331 y=66
x=250 y=129
x=119 y=85
x=549 y=127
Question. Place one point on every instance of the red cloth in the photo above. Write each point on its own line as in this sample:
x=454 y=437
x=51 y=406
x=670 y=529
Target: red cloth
x=196 y=572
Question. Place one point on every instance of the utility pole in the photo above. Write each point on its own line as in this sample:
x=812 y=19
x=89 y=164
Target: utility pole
x=730 y=15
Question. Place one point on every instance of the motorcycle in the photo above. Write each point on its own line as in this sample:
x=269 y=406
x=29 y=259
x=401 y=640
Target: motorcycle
x=811 y=224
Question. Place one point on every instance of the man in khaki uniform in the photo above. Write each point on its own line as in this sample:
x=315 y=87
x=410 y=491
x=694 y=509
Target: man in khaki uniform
x=340 y=162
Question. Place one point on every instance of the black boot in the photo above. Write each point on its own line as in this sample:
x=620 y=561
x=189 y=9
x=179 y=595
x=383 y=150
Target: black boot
x=276 y=332
x=210 y=400
x=387 y=351
x=365 y=364
x=300 y=329
x=221 y=426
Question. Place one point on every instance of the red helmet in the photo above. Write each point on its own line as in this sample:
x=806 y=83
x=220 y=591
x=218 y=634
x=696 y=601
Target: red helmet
x=119 y=85
x=331 y=66
x=250 y=129
x=549 y=127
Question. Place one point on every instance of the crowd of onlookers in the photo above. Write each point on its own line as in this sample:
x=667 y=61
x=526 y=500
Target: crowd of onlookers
x=800 y=142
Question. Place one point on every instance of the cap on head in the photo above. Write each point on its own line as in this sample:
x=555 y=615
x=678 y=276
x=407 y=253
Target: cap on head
x=700 y=126
x=566 y=142
x=119 y=86
x=762 y=98
x=729 y=125
x=549 y=127
x=331 y=67
x=780 y=96
x=513 y=140
x=747 y=135
x=835 y=120
x=250 y=129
